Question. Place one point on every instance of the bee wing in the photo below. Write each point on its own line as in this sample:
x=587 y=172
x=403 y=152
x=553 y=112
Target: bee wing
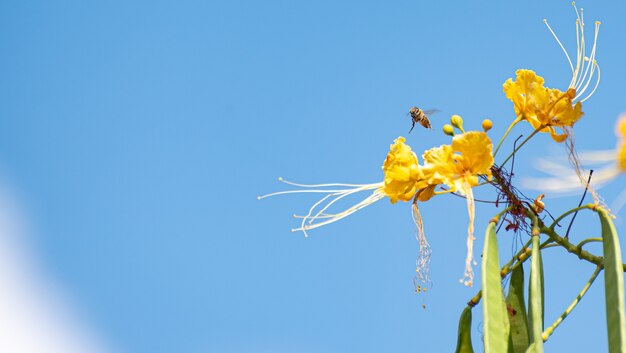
x=431 y=111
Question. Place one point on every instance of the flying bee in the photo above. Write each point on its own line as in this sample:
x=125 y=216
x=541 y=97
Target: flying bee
x=421 y=117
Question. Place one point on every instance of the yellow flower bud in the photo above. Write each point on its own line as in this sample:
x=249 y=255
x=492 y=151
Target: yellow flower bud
x=487 y=125
x=448 y=130
x=457 y=122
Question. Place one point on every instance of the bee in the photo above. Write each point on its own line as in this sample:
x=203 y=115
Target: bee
x=421 y=117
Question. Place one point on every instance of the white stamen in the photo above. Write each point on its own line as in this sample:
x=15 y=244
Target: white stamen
x=595 y=87
x=308 y=216
x=584 y=72
x=319 y=185
x=316 y=217
x=591 y=63
x=339 y=197
x=300 y=192
x=561 y=44
x=375 y=196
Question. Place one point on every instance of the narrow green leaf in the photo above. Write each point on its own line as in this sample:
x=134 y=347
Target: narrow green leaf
x=496 y=324
x=614 y=285
x=516 y=308
x=535 y=298
x=464 y=341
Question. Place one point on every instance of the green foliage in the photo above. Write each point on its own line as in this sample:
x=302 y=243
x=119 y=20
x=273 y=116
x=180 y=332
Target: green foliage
x=464 y=341
x=535 y=296
x=614 y=285
x=496 y=325
x=516 y=308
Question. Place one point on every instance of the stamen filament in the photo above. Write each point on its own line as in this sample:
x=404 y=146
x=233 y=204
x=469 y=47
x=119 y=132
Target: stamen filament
x=319 y=185
x=561 y=44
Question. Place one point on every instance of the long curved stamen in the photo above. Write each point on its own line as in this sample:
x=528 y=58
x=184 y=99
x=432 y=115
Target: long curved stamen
x=561 y=44
x=586 y=67
x=301 y=192
x=319 y=185
x=318 y=216
x=594 y=87
x=339 y=197
x=591 y=63
x=375 y=196
x=575 y=73
x=580 y=60
x=594 y=65
x=334 y=192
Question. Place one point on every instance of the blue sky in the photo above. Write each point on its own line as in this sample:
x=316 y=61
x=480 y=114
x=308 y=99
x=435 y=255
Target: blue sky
x=138 y=135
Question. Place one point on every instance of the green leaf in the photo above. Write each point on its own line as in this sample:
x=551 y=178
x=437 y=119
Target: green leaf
x=535 y=298
x=516 y=308
x=464 y=341
x=496 y=326
x=614 y=285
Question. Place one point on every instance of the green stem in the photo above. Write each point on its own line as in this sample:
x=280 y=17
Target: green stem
x=552 y=245
x=573 y=210
x=521 y=144
x=589 y=240
x=506 y=268
x=508 y=130
x=524 y=253
x=548 y=332
x=582 y=254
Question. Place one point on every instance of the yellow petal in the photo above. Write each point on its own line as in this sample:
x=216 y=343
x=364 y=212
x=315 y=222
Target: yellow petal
x=403 y=174
x=475 y=148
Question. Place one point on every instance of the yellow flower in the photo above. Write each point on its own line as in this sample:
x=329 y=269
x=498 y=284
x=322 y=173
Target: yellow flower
x=403 y=178
x=542 y=107
x=403 y=174
x=438 y=165
x=469 y=155
x=458 y=166
x=549 y=108
x=473 y=156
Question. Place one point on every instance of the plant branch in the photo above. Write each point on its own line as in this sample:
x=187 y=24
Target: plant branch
x=548 y=332
x=579 y=204
x=508 y=130
x=573 y=210
x=582 y=254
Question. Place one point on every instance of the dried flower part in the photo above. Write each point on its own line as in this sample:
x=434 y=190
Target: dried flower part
x=539 y=205
x=458 y=166
x=468 y=276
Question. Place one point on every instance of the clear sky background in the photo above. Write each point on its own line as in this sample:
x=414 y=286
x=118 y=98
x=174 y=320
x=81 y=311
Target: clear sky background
x=137 y=135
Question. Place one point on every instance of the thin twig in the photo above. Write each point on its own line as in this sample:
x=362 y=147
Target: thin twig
x=546 y=334
x=513 y=160
x=579 y=204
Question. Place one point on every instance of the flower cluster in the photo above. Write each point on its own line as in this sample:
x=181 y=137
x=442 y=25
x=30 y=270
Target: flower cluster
x=459 y=166
x=456 y=166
